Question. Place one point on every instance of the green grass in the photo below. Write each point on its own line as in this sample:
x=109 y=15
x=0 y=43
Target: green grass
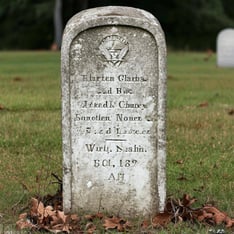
x=200 y=145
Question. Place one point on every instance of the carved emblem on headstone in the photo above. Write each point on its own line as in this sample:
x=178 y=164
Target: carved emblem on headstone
x=114 y=48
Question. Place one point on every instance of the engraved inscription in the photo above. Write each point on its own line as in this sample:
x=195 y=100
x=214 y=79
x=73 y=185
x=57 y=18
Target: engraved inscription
x=114 y=101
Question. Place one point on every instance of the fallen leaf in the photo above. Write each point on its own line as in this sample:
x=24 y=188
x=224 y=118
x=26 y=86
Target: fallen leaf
x=111 y=223
x=99 y=215
x=145 y=224
x=22 y=224
x=161 y=219
x=23 y=216
x=187 y=200
x=180 y=161
x=229 y=222
x=231 y=112
x=49 y=211
x=34 y=206
x=116 y=223
x=203 y=104
x=203 y=215
x=218 y=216
x=90 y=228
x=89 y=217
x=181 y=178
x=17 y=78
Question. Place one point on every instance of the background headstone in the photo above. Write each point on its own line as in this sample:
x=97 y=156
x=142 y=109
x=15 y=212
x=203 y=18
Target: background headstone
x=225 y=48
x=113 y=112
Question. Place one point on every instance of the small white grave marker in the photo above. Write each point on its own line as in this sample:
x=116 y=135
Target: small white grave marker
x=225 y=48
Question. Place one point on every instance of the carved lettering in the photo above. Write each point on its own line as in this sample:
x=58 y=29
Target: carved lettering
x=124 y=91
x=128 y=105
x=104 y=91
x=92 y=104
x=130 y=149
x=136 y=78
x=131 y=131
x=119 y=177
x=96 y=78
x=103 y=163
x=95 y=148
x=121 y=117
x=92 y=118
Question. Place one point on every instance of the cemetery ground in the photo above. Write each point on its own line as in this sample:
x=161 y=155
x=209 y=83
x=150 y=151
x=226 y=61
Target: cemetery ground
x=200 y=132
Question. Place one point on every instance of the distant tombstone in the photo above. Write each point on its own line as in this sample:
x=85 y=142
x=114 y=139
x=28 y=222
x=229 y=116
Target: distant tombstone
x=225 y=48
x=113 y=112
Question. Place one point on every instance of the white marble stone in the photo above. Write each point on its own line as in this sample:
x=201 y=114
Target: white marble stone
x=113 y=112
x=225 y=48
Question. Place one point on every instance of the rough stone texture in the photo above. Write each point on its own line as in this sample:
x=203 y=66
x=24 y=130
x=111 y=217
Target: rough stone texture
x=225 y=48
x=113 y=112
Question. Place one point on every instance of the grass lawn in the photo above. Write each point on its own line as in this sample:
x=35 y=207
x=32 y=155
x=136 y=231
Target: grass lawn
x=200 y=131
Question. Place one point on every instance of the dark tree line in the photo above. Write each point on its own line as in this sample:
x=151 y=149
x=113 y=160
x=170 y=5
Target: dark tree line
x=188 y=24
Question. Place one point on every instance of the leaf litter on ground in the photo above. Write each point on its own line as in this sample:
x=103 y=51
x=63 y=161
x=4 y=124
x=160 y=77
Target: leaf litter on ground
x=46 y=214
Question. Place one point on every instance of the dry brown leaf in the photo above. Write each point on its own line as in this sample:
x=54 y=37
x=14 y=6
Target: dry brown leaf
x=59 y=228
x=48 y=212
x=204 y=215
x=145 y=224
x=182 y=177
x=23 y=222
x=229 y=222
x=99 y=215
x=34 y=206
x=2 y=107
x=23 y=216
x=180 y=161
x=61 y=216
x=116 y=223
x=55 y=220
x=203 y=104
x=89 y=217
x=17 y=78
x=90 y=228
x=187 y=200
x=161 y=219
x=127 y=225
x=231 y=112
x=75 y=217
x=111 y=223
x=218 y=216
x=41 y=211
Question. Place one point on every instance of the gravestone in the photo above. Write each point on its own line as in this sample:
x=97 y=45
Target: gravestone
x=113 y=112
x=225 y=48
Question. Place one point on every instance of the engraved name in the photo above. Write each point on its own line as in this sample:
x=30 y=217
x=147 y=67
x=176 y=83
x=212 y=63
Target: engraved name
x=119 y=148
x=121 y=78
x=112 y=104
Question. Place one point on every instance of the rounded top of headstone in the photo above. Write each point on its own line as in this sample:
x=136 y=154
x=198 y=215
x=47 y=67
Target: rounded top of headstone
x=114 y=11
x=225 y=48
x=225 y=33
x=113 y=15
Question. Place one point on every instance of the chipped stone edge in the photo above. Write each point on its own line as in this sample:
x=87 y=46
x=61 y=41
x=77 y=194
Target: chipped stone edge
x=105 y=16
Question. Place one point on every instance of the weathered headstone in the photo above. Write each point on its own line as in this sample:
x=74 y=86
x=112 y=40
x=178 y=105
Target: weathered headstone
x=113 y=112
x=225 y=48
